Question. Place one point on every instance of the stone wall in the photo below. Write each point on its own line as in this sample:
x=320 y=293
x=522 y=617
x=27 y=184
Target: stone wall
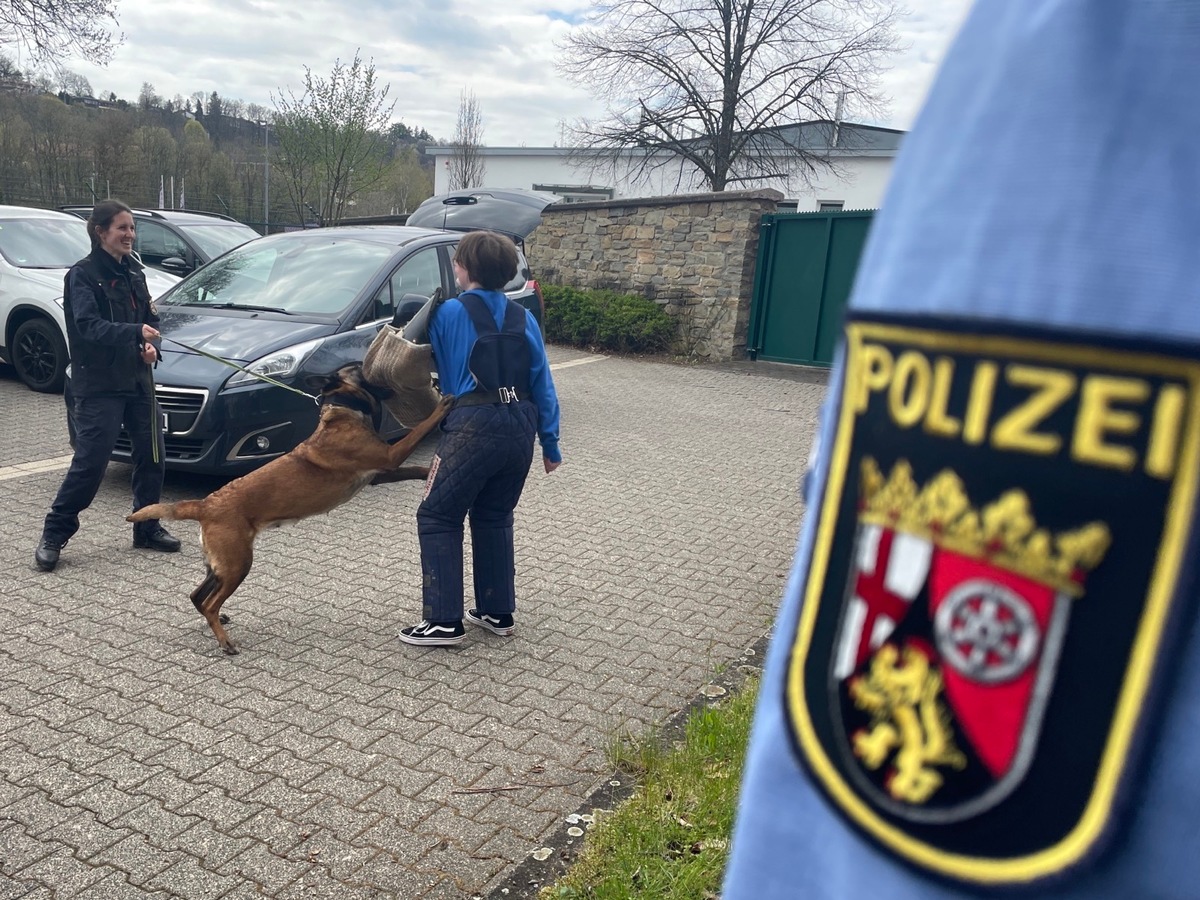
x=694 y=254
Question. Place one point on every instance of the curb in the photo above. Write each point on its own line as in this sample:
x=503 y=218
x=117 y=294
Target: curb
x=549 y=862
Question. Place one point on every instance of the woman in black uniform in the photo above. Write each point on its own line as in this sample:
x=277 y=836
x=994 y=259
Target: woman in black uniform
x=114 y=343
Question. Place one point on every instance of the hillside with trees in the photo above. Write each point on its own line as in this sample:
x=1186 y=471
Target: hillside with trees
x=60 y=145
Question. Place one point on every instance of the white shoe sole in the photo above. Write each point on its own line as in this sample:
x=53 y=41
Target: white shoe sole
x=494 y=629
x=431 y=641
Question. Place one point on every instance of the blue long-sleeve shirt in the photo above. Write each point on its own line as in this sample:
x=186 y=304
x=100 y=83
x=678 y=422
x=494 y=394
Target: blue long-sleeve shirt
x=453 y=335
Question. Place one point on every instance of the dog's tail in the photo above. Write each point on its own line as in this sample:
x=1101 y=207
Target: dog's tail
x=184 y=509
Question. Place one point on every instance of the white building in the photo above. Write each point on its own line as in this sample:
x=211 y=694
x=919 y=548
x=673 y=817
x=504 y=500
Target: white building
x=862 y=155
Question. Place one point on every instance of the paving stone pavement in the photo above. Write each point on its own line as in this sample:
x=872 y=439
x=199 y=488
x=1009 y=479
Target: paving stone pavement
x=329 y=759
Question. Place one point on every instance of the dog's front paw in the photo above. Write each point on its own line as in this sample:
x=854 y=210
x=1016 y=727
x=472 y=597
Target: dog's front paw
x=404 y=473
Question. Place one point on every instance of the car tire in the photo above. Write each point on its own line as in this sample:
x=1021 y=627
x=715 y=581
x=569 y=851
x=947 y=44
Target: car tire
x=39 y=354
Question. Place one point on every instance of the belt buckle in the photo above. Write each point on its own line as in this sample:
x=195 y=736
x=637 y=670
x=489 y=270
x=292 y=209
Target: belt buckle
x=508 y=395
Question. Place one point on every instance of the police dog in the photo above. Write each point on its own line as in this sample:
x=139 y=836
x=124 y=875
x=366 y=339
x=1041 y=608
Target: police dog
x=333 y=464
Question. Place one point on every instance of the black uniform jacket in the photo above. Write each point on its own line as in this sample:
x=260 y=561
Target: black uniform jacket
x=106 y=302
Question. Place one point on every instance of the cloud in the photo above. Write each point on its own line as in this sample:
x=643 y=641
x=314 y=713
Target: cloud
x=428 y=51
x=926 y=35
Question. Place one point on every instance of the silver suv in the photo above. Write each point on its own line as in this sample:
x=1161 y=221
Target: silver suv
x=178 y=240
x=37 y=247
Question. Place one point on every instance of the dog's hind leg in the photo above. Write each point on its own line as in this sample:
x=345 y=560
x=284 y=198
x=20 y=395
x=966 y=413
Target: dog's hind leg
x=205 y=589
x=230 y=553
x=227 y=582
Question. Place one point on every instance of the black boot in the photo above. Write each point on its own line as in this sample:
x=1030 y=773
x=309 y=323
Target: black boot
x=46 y=554
x=152 y=536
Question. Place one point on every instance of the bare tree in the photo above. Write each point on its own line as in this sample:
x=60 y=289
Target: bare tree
x=155 y=155
x=53 y=29
x=58 y=168
x=467 y=166
x=42 y=82
x=74 y=84
x=16 y=141
x=717 y=83
x=257 y=113
x=8 y=67
x=148 y=99
x=332 y=139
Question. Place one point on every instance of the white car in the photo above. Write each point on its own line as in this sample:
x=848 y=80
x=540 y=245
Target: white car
x=37 y=247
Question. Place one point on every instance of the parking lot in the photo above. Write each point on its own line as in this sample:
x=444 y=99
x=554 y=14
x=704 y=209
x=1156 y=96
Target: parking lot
x=328 y=759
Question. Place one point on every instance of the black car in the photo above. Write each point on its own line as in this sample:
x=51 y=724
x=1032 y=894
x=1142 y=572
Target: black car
x=289 y=306
x=180 y=241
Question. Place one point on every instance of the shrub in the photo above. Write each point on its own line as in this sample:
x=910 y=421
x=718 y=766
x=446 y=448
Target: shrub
x=626 y=323
x=571 y=316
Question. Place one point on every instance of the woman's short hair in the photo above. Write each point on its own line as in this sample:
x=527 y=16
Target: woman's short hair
x=102 y=216
x=488 y=257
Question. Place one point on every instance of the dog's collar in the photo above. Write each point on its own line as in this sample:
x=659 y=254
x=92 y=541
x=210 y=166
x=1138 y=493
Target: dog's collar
x=372 y=411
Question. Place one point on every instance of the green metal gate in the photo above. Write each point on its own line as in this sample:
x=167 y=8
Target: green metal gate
x=806 y=267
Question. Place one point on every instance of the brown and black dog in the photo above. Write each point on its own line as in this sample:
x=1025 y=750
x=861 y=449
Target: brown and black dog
x=342 y=456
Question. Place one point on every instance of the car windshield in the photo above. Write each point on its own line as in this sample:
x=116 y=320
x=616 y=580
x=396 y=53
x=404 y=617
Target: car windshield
x=49 y=243
x=316 y=277
x=215 y=239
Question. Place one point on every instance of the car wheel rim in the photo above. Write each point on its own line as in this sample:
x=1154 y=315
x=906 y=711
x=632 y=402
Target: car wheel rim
x=37 y=357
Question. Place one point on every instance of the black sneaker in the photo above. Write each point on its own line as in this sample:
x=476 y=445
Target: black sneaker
x=434 y=634
x=502 y=625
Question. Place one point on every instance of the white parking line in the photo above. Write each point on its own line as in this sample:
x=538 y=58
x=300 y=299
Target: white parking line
x=54 y=464
x=59 y=463
x=576 y=362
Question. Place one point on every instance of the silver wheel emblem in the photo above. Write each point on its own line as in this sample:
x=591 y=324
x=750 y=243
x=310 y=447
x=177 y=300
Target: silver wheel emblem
x=986 y=631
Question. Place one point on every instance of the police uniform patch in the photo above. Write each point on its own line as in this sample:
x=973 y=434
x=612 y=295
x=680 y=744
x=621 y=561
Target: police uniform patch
x=993 y=588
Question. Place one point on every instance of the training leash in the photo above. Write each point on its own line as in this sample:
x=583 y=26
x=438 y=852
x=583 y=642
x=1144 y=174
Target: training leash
x=233 y=365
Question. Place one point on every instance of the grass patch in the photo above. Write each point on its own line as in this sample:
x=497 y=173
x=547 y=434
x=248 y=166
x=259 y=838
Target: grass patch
x=670 y=840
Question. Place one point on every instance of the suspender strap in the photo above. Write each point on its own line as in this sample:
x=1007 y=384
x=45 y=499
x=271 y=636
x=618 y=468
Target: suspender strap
x=481 y=316
x=506 y=352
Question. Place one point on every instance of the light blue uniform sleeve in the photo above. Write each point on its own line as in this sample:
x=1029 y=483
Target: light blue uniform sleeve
x=1053 y=178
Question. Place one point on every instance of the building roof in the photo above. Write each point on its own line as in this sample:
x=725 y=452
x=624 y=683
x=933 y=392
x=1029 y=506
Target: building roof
x=852 y=139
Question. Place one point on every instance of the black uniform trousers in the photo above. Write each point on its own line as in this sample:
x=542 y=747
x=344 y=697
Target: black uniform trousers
x=97 y=424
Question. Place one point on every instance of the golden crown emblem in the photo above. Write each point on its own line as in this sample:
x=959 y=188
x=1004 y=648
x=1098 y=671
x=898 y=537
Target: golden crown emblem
x=1005 y=532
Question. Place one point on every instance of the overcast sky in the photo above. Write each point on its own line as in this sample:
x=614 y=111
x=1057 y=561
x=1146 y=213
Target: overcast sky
x=429 y=51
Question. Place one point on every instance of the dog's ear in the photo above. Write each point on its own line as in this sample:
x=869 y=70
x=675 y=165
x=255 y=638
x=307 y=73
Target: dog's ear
x=319 y=384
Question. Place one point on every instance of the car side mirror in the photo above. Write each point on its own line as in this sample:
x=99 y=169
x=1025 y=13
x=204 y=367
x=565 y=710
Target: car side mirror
x=175 y=264
x=408 y=307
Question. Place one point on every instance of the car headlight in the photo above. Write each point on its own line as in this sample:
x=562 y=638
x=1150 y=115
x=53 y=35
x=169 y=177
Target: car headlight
x=280 y=364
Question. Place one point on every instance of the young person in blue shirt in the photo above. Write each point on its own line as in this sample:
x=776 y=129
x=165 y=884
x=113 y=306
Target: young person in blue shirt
x=985 y=672
x=505 y=397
